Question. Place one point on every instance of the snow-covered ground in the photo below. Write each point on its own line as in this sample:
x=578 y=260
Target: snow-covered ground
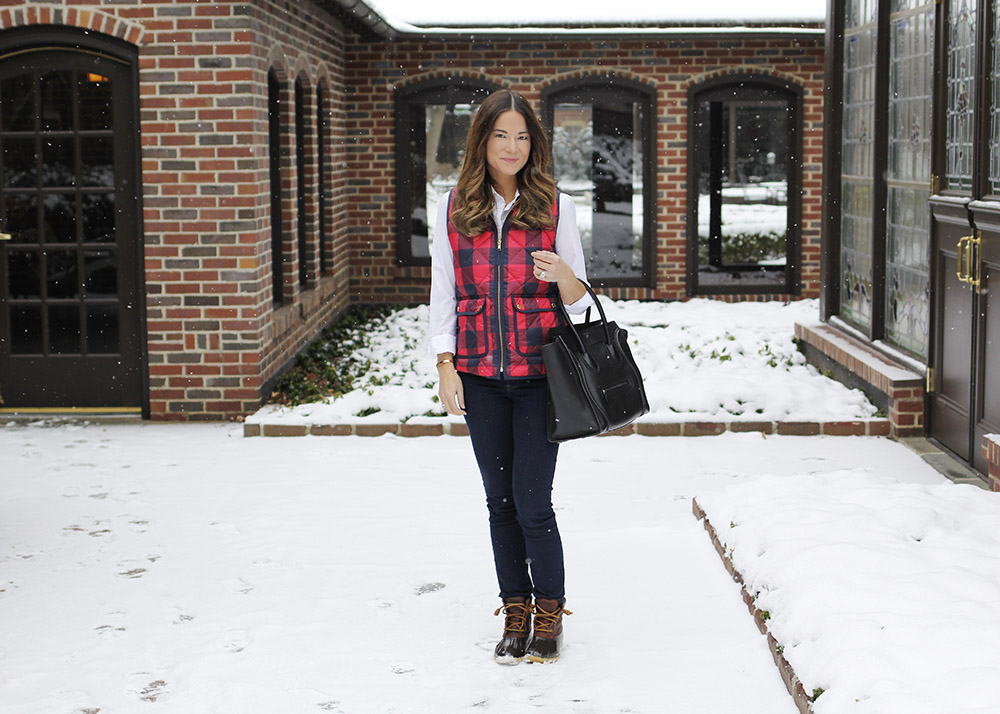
x=701 y=360
x=185 y=569
x=884 y=595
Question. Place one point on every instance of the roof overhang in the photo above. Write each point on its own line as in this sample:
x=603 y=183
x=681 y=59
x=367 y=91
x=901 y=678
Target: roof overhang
x=364 y=19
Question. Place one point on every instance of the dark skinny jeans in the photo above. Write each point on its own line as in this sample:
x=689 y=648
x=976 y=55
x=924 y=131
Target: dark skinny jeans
x=506 y=420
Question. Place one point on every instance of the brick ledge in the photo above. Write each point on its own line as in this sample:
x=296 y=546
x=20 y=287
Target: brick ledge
x=991 y=452
x=792 y=683
x=861 y=427
x=901 y=389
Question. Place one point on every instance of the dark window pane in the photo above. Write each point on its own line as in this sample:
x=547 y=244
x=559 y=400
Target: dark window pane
x=24 y=276
x=21 y=218
x=274 y=174
x=100 y=274
x=57 y=100
x=64 y=329
x=94 y=93
x=18 y=162
x=97 y=161
x=57 y=162
x=26 y=329
x=437 y=149
x=599 y=157
x=102 y=329
x=61 y=273
x=59 y=213
x=17 y=103
x=98 y=214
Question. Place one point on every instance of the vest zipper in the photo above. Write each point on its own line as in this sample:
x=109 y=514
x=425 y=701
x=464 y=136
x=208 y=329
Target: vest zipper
x=500 y=306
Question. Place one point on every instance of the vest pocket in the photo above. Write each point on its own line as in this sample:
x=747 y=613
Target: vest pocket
x=473 y=336
x=533 y=318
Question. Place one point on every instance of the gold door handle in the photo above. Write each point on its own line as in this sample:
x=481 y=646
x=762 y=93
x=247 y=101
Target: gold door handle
x=5 y=236
x=962 y=259
x=973 y=262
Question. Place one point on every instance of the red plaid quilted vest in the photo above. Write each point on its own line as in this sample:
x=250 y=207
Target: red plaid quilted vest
x=504 y=314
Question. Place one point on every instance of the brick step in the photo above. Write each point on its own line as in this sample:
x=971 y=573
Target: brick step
x=865 y=427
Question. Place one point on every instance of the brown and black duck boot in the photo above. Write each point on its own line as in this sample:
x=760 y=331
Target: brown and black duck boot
x=546 y=642
x=516 y=629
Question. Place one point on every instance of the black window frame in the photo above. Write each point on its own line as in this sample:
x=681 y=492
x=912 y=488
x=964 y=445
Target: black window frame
x=442 y=90
x=750 y=86
x=301 y=182
x=274 y=180
x=322 y=190
x=613 y=88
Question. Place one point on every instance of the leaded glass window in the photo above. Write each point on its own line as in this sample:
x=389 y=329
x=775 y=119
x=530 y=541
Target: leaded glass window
x=961 y=81
x=995 y=107
x=907 y=293
x=857 y=163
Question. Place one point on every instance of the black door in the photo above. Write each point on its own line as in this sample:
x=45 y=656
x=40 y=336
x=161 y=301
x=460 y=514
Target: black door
x=70 y=278
x=954 y=309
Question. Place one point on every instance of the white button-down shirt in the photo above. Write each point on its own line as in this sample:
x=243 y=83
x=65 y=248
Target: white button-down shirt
x=443 y=321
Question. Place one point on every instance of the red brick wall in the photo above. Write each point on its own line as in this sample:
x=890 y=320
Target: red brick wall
x=375 y=70
x=214 y=336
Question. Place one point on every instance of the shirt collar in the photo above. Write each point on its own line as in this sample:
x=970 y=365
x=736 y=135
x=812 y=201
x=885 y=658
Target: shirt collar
x=499 y=199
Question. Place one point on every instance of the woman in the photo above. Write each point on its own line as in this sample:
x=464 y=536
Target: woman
x=505 y=248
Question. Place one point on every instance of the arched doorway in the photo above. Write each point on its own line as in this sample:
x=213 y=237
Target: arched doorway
x=71 y=290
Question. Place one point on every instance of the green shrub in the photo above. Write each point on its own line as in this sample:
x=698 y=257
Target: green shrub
x=328 y=366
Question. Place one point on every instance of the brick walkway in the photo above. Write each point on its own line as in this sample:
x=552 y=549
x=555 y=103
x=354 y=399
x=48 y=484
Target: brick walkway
x=425 y=427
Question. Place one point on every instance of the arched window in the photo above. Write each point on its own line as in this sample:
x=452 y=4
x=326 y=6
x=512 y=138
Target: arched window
x=322 y=127
x=274 y=165
x=603 y=155
x=432 y=120
x=301 y=182
x=744 y=186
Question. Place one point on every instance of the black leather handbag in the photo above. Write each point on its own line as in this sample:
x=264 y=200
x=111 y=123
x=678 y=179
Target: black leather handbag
x=594 y=385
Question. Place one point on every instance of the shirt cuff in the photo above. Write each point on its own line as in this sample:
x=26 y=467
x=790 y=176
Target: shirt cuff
x=442 y=343
x=580 y=305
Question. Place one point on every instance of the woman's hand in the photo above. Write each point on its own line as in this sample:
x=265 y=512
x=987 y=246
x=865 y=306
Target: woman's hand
x=550 y=268
x=450 y=389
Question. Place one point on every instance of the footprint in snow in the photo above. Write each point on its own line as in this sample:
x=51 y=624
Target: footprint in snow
x=428 y=588
x=238 y=585
x=146 y=687
x=114 y=625
x=322 y=700
x=181 y=617
x=384 y=607
x=131 y=569
x=235 y=641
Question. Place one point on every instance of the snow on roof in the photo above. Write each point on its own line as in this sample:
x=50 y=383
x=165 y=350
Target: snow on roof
x=407 y=15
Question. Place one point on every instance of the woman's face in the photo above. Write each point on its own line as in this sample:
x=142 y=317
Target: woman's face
x=508 y=146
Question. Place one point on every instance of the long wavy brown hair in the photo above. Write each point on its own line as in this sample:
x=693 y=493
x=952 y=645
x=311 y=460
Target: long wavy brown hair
x=473 y=199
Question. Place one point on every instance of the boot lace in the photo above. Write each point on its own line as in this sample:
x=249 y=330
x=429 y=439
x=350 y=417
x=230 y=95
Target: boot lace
x=516 y=618
x=545 y=622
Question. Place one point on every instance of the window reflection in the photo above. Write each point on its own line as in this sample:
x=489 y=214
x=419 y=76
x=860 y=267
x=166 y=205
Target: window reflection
x=598 y=157
x=742 y=192
x=437 y=151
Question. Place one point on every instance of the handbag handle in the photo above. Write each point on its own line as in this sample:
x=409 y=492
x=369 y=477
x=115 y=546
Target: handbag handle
x=604 y=319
